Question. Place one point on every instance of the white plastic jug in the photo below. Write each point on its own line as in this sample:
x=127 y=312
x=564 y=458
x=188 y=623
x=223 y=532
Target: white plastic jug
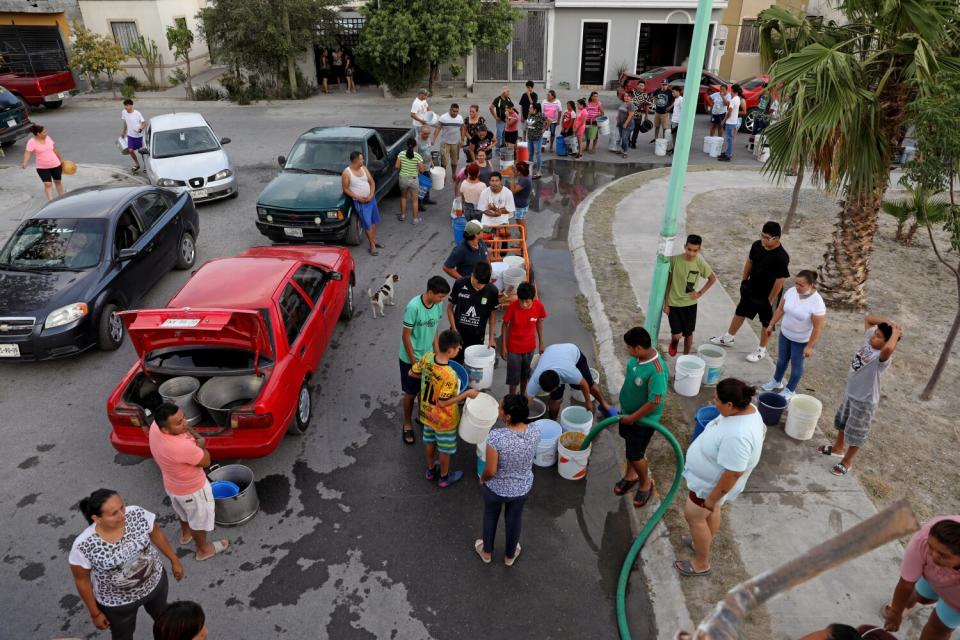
x=660 y=147
x=572 y=464
x=713 y=358
x=438 y=175
x=688 y=376
x=803 y=413
x=479 y=360
x=479 y=414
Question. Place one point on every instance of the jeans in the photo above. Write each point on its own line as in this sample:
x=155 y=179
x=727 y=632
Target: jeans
x=789 y=352
x=728 y=131
x=501 y=125
x=536 y=153
x=492 y=505
x=123 y=619
x=625 y=135
x=553 y=132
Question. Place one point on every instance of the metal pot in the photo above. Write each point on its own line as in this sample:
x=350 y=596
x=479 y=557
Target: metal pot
x=221 y=394
x=181 y=391
x=538 y=409
x=229 y=512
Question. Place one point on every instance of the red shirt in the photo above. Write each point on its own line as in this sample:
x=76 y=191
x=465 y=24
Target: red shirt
x=523 y=326
x=177 y=457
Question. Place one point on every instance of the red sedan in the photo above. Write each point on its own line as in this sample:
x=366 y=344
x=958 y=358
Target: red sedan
x=243 y=339
x=752 y=89
x=649 y=81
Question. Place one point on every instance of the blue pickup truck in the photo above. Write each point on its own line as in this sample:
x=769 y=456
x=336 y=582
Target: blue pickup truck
x=305 y=202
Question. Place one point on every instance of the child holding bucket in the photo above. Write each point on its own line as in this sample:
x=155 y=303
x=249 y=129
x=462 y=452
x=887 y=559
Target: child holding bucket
x=440 y=406
x=686 y=271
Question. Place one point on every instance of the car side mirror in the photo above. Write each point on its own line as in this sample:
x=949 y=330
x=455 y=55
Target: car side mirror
x=126 y=254
x=224 y=140
x=336 y=275
x=281 y=160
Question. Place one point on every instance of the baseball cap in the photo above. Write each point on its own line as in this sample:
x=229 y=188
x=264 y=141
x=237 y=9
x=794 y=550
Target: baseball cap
x=473 y=228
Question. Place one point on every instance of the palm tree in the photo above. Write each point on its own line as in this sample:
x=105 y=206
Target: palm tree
x=918 y=209
x=849 y=92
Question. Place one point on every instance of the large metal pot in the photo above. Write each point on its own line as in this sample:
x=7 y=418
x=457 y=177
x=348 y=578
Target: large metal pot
x=221 y=394
x=181 y=391
x=229 y=512
x=538 y=409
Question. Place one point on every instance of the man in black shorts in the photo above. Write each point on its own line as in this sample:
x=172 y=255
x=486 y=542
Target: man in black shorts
x=763 y=275
x=564 y=364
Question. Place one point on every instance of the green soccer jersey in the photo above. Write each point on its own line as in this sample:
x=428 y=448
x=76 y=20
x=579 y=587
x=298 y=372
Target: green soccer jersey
x=644 y=382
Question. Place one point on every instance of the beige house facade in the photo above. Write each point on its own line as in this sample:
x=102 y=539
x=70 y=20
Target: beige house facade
x=741 y=56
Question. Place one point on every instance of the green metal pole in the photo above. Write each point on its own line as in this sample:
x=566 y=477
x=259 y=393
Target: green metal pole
x=678 y=171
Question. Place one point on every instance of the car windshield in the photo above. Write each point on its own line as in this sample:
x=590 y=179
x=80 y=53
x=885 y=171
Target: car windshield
x=52 y=244
x=653 y=73
x=750 y=84
x=183 y=142
x=319 y=156
x=204 y=359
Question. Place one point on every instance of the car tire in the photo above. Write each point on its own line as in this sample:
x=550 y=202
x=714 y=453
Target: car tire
x=110 y=329
x=53 y=104
x=354 y=232
x=303 y=412
x=748 y=120
x=234 y=195
x=186 y=251
x=346 y=313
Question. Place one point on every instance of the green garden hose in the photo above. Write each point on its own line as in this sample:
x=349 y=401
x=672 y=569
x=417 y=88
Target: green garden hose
x=651 y=523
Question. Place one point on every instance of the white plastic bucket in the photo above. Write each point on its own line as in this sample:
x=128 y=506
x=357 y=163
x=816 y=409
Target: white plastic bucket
x=576 y=419
x=706 y=143
x=713 y=358
x=512 y=277
x=479 y=361
x=438 y=175
x=576 y=394
x=572 y=464
x=479 y=414
x=514 y=262
x=550 y=432
x=603 y=125
x=614 y=144
x=660 y=147
x=496 y=277
x=716 y=146
x=688 y=376
x=764 y=154
x=803 y=413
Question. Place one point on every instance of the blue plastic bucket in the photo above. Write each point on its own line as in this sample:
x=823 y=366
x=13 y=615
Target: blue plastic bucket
x=704 y=416
x=561 y=146
x=223 y=489
x=462 y=374
x=458 y=225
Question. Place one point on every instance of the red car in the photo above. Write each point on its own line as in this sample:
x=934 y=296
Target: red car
x=752 y=89
x=49 y=88
x=245 y=336
x=649 y=81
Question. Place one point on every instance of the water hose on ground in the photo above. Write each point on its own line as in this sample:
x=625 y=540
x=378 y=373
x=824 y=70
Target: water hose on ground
x=651 y=523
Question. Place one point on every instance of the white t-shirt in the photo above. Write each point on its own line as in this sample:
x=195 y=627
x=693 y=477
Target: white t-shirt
x=733 y=443
x=677 y=110
x=734 y=107
x=798 y=314
x=502 y=200
x=418 y=107
x=133 y=119
x=451 y=128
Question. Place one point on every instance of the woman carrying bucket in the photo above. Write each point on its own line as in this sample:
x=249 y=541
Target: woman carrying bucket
x=507 y=477
x=804 y=314
x=718 y=464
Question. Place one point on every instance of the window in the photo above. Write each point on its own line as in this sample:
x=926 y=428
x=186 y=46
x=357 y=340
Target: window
x=525 y=57
x=294 y=312
x=376 y=151
x=311 y=280
x=127 y=231
x=749 y=40
x=125 y=33
x=152 y=206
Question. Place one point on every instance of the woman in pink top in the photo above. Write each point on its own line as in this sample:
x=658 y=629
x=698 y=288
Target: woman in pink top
x=930 y=574
x=511 y=131
x=580 y=125
x=48 y=160
x=594 y=110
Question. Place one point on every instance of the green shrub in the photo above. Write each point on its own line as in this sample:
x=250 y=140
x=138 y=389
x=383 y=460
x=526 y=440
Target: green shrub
x=207 y=93
x=132 y=81
x=127 y=91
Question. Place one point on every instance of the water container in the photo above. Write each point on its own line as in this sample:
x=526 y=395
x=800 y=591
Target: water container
x=515 y=262
x=707 y=143
x=576 y=394
x=523 y=152
x=576 y=419
x=456 y=207
x=538 y=409
x=479 y=414
x=181 y=391
x=660 y=147
x=240 y=507
x=512 y=277
x=481 y=457
x=461 y=374
x=704 y=416
x=223 y=489
x=572 y=463
x=496 y=277
x=716 y=146
x=550 y=432
x=572 y=144
x=613 y=143
x=802 y=416
x=713 y=357
x=603 y=125
x=457 y=225
x=479 y=359
x=439 y=176
x=764 y=154
x=771 y=406
x=688 y=376
x=561 y=146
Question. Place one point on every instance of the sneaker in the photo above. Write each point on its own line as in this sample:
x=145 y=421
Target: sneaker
x=722 y=341
x=672 y=350
x=773 y=385
x=451 y=477
x=723 y=158
x=787 y=394
x=433 y=472
x=757 y=355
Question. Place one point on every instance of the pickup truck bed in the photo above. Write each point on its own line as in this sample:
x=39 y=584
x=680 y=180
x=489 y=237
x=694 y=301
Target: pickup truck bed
x=49 y=89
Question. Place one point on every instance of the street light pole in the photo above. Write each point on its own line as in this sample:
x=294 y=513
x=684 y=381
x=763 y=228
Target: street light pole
x=678 y=170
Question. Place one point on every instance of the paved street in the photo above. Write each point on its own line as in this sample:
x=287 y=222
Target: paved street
x=350 y=541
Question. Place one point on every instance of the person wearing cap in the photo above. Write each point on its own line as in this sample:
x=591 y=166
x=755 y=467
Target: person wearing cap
x=418 y=110
x=662 y=99
x=465 y=256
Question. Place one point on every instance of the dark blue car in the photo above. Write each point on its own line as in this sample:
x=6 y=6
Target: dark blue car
x=67 y=270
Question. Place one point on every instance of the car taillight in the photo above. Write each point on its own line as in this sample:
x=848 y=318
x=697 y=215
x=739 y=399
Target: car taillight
x=127 y=415
x=250 y=420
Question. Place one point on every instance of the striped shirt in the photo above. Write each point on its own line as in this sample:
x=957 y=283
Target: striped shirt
x=410 y=167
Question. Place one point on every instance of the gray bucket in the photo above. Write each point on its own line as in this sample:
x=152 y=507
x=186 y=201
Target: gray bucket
x=537 y=410
x=181 y=392
x=221 y=394
x=229 y=512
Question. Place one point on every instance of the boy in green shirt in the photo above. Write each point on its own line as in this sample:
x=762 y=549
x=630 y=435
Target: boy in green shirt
x=686 y=271
x=643 y=395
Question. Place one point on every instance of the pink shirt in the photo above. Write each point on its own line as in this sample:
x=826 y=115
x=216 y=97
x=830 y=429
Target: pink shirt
x=593 y=110
x=513 y=122
x=46 y=157
x=581 y=122
x=917 y=564
x=177 y=457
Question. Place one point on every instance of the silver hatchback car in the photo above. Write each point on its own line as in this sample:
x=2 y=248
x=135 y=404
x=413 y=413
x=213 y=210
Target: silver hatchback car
x=181 y=152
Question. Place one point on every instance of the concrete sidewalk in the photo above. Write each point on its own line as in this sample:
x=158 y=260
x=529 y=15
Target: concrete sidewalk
x=792 y=502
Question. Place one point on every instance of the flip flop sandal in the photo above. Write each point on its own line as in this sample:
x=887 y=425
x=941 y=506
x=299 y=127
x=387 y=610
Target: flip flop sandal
x=408 y=437
x=374 y=252
x=401 y=218
x=687 y=541
x=642 y=497
x=516 y=554
x=184 y=541
x=827 y=450
x=379 y=246
x=218 y=547
x=685 y=567
x=906 y=612
x=623 y=486
x=478 y=547
x=840 y=469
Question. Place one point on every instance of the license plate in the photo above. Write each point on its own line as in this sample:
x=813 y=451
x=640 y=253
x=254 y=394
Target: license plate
x=180 y=322
x=293 y=232
x=9 y=351
x=11 y=123
x=63 y=94
x=198 y=194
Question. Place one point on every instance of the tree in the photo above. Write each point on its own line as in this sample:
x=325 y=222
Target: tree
x=93 y=54
x=180 y=41
x=917 y=209
x=849 y=95
x=404 y=35
x=148 y=56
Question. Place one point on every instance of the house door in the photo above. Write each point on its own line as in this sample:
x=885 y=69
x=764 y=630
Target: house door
x=593 y=56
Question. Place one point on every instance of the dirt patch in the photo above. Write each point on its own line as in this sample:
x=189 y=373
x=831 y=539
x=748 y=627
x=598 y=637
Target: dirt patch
x=905 y=453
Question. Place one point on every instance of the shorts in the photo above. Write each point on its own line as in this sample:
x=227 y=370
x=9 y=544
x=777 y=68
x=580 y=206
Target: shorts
x=947 y=614
x=410 y=182
x=683 y=320
x=53 y=173
x=748 y=308
x=637 y=438
x=853 y=419
x=518 y=367
x=368 y=212
x=511 y=137
x=446 y=441
x=584 y=368
x=408 y=383
x=449 y=154
x=716 y=118
x=134 y=143
x=661 y=120
x=521 y=213
x=195 y=509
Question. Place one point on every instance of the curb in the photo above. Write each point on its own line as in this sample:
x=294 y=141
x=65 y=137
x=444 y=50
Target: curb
x=669 y=605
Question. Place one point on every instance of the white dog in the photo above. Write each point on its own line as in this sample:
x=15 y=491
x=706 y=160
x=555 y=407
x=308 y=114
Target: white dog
x=383 y=296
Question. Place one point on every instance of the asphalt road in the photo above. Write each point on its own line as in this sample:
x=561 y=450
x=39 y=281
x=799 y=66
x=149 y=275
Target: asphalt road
x=351 y=541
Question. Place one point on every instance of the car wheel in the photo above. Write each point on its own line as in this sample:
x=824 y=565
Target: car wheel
x=750 y=120
x=53 y=104
x=301 y=417
x=354 y=232
x=235 y=194
x=347 y=312
x=186 y=251
x=109 y=329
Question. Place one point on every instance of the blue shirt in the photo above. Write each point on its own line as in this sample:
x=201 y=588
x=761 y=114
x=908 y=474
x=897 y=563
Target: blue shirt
x=730 y=443
x=522 y=198
x=561 y=358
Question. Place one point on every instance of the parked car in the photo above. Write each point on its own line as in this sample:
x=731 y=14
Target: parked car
x=67 y=271
x=752 y=89
x=649 y=81
x=49 y=88
x=14 y=120
x=251 y=330
x=181 y=152
x=305 y=202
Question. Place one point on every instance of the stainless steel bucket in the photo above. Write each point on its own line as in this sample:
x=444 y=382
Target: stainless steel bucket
x=181 y=392
x=537 y=410
x=229 y=512
x=221 y=394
